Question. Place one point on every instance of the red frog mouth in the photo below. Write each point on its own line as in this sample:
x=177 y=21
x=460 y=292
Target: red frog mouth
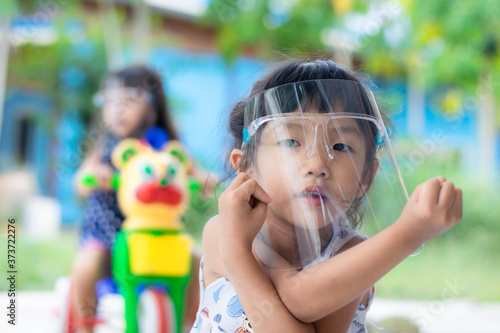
x=154 y=193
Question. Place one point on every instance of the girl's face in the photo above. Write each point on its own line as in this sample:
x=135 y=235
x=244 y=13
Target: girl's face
x=313 y=168
x=127 y=111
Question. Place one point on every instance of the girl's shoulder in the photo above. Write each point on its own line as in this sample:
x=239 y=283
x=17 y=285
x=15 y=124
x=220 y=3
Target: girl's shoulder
x=210 y=232
x=213 y=267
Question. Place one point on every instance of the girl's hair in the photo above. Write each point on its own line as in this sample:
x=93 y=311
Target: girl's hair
x=299 y=71
x=141 y=76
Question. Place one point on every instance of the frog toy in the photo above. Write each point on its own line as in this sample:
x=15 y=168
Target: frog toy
x=152 y=248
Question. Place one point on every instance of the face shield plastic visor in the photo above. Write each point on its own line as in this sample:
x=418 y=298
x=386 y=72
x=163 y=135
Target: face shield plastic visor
x=320 y=150
x=115 y=92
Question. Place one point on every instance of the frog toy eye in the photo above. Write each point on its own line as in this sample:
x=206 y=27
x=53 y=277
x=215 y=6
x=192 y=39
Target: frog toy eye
x=147 y=170
x=171 y=171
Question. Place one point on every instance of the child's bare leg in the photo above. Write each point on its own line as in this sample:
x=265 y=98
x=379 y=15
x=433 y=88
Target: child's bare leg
x=90 y=266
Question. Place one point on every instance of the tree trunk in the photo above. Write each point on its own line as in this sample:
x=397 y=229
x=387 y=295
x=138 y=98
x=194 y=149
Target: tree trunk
x=112 y=36
x=141 y=31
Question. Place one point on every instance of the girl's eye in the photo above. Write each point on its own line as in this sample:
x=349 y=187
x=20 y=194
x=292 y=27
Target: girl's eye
x=289 y=143
x=341 y=147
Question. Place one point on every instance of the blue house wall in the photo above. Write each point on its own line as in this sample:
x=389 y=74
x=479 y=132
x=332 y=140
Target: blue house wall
x=34 y=111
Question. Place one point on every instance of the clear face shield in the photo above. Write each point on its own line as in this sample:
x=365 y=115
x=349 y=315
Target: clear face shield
x=115 y=91
x=320 y=150
x=124 y=108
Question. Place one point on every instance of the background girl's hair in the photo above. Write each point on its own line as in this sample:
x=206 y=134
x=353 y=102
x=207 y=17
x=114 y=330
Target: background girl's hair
x=287 y=72
x=141 y=76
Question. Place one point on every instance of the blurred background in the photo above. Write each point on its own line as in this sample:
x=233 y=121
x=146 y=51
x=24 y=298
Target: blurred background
x=434 y=66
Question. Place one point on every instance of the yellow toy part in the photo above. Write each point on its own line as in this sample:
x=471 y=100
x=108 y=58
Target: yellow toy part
x=160 y=255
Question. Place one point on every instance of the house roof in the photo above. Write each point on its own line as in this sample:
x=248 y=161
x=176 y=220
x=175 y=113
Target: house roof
x=187 y=8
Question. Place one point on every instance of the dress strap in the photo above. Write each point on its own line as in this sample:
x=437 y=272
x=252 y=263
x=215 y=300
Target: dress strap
x=200 y=276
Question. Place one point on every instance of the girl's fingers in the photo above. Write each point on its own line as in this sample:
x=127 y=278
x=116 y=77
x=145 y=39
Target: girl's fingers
x=430 y=190
x=252 y=188
x=104 y=175
x=441 y=179
x=240 y=179
x=447 y=194
x=416 y=192
x=457 y=204
x=260 y=208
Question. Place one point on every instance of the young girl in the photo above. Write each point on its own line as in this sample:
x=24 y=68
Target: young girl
x=283 y=255
x=133 y=100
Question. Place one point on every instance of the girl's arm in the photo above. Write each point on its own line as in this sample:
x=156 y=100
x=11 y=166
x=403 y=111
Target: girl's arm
x=434 y=207
x=336 y=322
x=259 y=298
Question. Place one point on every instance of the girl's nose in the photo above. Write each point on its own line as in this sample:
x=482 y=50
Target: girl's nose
x=317 y=168
x=318 y=155
x=317 y=162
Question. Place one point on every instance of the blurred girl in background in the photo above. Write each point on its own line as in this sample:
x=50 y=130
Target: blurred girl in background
x=133 y=100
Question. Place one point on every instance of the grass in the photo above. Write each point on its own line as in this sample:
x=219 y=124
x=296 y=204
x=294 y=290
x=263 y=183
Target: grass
x=457 y=268
x=40 y=263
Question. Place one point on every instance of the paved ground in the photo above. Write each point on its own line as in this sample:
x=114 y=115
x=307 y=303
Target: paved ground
x=35 y=314
x=441 y=316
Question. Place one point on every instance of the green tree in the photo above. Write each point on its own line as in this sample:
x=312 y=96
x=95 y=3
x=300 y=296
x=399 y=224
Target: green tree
x=451 y=44
x=431 y=44
x=274 y=26
x=77 y=45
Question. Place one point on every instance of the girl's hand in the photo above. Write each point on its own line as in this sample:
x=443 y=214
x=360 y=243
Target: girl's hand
x=242 y=211
x=434 y=207
x=102 y=174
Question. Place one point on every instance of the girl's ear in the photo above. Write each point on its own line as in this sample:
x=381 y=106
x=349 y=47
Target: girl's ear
x=368 y=181
x=236 y=156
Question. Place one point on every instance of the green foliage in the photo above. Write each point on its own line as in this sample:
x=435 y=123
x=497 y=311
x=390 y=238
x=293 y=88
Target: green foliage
x=201 y=209
x=42 y=68
x=450 y=42
x=270 y=26
x=9 y=8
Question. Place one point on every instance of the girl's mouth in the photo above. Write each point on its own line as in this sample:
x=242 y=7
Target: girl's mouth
x=314 y=195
